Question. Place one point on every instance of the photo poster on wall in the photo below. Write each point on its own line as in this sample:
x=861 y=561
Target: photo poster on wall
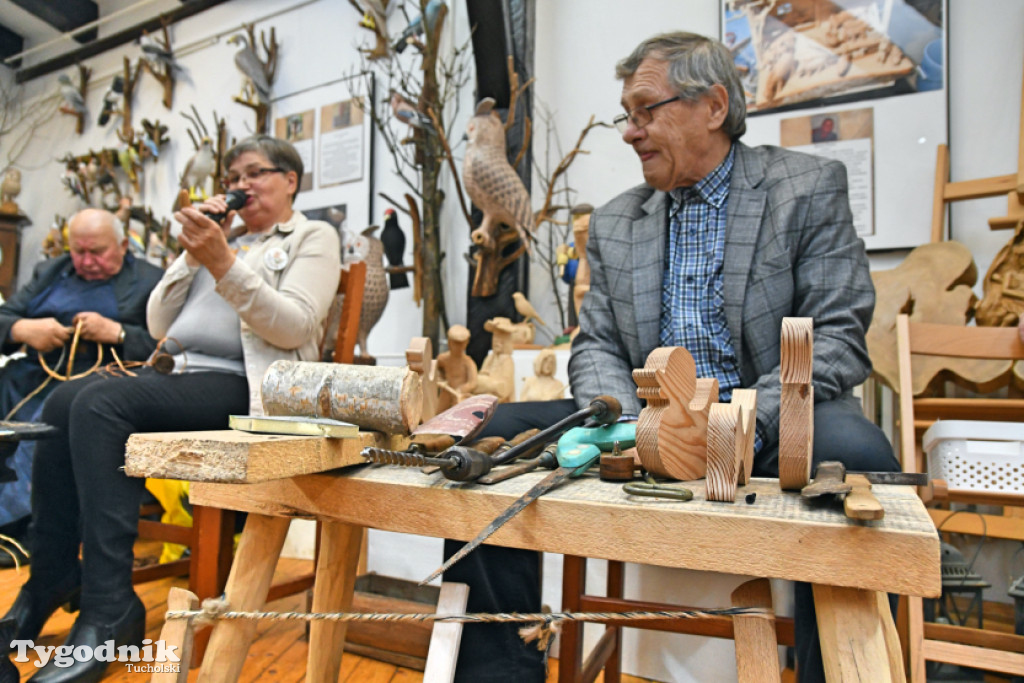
x=819 y=56
x=332 y=133
x=297 y=129
x=845 y=136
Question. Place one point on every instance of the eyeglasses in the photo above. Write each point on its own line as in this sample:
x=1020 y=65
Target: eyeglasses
x=641 y=116
x=251 y=175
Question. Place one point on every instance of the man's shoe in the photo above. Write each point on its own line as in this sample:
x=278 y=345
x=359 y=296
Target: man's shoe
x=31 y=610
x=129 y=629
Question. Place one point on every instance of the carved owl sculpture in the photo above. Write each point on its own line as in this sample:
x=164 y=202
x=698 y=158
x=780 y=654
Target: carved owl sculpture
x=490 y=180
x=10 y=188
x=366 y=247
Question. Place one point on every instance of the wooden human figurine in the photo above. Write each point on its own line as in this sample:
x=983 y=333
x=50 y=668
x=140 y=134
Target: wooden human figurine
x=456 y=372
x=420 y=357
x=497 y=375
x=580 y=228
x=543 y=386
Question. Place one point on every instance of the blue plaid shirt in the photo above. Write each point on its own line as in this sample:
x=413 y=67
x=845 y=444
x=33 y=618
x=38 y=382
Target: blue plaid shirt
x=692 y=300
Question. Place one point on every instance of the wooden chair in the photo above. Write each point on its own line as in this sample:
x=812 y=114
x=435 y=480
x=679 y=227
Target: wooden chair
x=940 y=642
x=211 y=537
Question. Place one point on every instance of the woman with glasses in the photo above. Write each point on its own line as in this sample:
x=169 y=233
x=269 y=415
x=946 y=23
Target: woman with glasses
x=232 y=303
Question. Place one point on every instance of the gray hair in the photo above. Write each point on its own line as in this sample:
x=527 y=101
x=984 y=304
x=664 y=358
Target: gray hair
x=280 y=153
x=109 y=219
x=695 y=63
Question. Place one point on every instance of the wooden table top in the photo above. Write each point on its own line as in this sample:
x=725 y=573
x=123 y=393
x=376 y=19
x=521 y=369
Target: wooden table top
x=780 y=535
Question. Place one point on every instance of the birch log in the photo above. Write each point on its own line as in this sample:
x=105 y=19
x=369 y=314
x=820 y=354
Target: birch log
x=382 y=399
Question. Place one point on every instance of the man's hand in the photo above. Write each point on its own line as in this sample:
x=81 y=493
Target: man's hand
x=96 y=328
x=42 y=334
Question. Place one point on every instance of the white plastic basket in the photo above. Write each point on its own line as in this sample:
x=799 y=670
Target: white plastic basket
x=977 y=456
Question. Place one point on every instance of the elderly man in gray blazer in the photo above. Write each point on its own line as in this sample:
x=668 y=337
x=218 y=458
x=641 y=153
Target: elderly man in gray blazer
x=720 y=243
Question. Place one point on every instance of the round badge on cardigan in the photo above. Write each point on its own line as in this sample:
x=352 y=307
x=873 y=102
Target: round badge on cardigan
x=276 y=258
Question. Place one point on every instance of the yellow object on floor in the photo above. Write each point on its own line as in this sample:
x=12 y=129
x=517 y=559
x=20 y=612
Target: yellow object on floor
x=171 y=494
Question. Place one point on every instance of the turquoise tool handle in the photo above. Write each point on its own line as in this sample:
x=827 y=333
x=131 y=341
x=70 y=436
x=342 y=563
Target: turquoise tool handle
x=582 y=445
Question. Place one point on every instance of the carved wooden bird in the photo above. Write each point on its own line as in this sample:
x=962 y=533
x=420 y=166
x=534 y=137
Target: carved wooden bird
x=10 y=187
x=111 y=99
x=160 y=59
x=490 y=180
x=73 y=101
x=252 y=68
x=404 y=111
x=366 y=247
x=198 y=169
x=526 y=309
x=394 y=247
x=415 y=27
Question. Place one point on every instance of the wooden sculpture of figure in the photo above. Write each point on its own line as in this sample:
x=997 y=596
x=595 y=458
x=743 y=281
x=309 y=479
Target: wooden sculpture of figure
x=497 y=375
x=9 y=189
x=1003 y=303
x=543 y=386
x=456 y=372
x=366 y=247
x=494 y=186
x=580 y=227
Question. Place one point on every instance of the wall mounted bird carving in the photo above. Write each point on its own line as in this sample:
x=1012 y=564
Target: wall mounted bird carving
x=415 y=27
x=200 y=167
x=491 y=182
x=366 y=247
x=111 y=100
x=393 y=240
x=256 y=85
x=74 y=103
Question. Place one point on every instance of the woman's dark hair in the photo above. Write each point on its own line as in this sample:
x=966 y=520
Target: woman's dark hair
x=280 y=153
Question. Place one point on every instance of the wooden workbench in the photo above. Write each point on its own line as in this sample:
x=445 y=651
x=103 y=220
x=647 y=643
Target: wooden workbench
x=778 y=536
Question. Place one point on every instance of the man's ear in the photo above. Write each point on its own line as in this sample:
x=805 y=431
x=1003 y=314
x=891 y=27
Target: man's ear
x=717 y=100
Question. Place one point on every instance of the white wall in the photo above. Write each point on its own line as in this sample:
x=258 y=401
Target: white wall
x=577 y=44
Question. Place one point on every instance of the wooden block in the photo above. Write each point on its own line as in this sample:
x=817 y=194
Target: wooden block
x=796 y=411
x=746 y=399
x=420 y=357
x=725 y=444
x=179 y=633
x=860 y=503
x=376 y=398
x=856 y=635
x=757 y=655
x=444 y=643
x=235 y=457
x=671 y=434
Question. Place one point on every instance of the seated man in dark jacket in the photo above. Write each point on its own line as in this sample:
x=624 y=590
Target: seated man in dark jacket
x=98 y=286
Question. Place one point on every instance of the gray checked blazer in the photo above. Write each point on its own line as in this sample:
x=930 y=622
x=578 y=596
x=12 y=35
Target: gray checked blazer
x=790 y=250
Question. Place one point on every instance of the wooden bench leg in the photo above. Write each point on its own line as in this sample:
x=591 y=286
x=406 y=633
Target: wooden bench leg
x=858 y=636
x=248 y=583
x=570 y=649
x=212 y=548
x=757 y=653
x=915 y=639
x=445 y=638
x=177 y=633
x=335 y=580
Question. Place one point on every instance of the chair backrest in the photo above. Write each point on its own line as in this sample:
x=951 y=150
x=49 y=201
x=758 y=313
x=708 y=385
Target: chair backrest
x=351 y=285
x=930 y=339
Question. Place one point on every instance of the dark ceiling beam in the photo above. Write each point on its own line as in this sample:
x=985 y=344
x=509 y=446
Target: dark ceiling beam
x=10 y=44
x=114 y=40
x=64 y=15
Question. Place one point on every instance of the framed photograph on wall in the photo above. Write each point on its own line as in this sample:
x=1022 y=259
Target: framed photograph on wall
x=803 y=63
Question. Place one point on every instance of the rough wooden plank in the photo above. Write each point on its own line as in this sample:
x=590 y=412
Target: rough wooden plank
x=445 y=640
x=376 y=398
x=796 y=409
x=757 y=657
x=976 y=657
x=853 y=636
x=778 y=536
x=236 y=457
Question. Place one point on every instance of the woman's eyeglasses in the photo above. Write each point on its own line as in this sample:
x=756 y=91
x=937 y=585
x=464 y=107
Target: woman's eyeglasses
x=251 y=175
